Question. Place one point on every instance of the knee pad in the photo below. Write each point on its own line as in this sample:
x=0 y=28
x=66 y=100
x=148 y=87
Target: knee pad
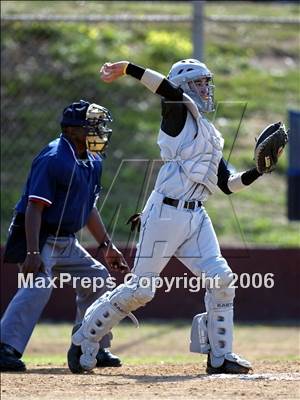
x=225 y=277
x=221 y=294
x=137 y=292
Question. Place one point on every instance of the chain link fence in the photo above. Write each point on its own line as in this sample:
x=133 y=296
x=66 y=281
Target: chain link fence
x=46 y=67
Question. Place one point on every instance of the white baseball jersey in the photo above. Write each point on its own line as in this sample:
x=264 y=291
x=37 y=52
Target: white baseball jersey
x=191 y=160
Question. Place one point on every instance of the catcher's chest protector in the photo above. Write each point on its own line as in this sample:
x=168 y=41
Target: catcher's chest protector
x=192 y=156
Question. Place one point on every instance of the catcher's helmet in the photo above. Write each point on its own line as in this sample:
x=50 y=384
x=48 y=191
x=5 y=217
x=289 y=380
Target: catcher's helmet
x=186 y=73
x=94 y=118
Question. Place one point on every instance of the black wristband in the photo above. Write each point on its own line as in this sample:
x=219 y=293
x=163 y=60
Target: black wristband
x=135 y=70
x=250 y=176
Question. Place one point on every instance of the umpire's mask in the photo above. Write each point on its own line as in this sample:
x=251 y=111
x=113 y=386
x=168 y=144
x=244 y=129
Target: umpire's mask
x=98 y=134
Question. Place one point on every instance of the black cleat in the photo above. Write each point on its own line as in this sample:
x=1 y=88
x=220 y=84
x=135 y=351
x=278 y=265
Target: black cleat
x=232 y=364
x=106 y=359
x=10 y=359
x=74 y=354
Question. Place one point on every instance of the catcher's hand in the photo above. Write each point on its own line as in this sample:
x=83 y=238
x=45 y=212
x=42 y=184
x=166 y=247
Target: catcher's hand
x=269 y=146
x=135 y=221
x=112 y=71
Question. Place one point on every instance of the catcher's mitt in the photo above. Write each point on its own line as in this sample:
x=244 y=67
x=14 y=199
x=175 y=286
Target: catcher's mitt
x=269 y=146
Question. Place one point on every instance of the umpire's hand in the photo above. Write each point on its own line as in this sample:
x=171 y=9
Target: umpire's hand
x=33 y=264
x=115 y=259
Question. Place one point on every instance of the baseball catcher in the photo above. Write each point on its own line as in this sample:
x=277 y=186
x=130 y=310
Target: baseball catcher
x=174 y=221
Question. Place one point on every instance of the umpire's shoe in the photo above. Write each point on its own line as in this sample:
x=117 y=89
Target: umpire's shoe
x=233 y=364
x=10 y=359
x=106 y=359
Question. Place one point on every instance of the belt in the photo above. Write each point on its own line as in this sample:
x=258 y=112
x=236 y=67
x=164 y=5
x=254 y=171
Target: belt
x=189 y=205
x=63 y=233
x=53 y=230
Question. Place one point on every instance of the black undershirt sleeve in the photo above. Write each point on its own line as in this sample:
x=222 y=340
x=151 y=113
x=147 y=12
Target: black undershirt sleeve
x=135 y=71
x=166 y=89
x=174 y=112
x=250 y=176
x=173 y=117
x=170 y=91
x=223 y=176
x=224 y=173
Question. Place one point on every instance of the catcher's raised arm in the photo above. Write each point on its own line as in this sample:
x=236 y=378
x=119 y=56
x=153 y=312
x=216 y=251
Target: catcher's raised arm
x=153 y=80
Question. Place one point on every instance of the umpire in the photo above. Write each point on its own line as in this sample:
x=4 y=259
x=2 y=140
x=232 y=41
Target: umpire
x=58 y=200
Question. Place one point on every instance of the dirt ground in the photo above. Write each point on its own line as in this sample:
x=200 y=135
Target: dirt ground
x=171 y=381
x=158 y=365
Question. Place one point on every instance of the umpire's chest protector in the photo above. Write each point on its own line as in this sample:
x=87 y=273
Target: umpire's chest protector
x=197 y=150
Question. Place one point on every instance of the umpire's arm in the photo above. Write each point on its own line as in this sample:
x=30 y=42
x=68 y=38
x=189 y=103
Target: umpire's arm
x=33 y=218
x=113 y=257
x=96 y=227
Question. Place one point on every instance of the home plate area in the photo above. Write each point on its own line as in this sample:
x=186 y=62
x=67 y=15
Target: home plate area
x=253 y=377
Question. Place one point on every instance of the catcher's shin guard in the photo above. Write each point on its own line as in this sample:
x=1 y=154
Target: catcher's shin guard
x=229 y=364
x=219 y=306
x=199 y=338
x=212 y=332
x=104 y=314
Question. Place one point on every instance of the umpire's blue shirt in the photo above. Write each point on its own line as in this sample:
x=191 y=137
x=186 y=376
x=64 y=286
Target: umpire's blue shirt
x=68 y=186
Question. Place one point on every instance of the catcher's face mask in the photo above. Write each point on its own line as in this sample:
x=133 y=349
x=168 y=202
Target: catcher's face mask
x=98 y=133
x=202 y=92
x=195 y=79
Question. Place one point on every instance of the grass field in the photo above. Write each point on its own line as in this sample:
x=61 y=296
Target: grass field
x=157 y=364
x=48 y=65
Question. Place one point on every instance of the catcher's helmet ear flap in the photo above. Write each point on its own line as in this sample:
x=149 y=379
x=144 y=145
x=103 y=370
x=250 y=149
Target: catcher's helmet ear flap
x=186 y=73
